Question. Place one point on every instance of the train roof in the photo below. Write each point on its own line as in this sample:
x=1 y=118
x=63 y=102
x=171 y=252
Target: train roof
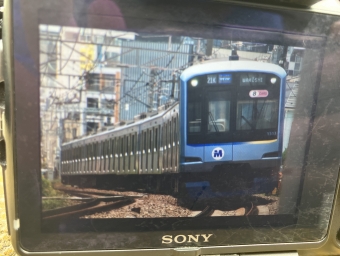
x=122 y=127
x=217 y=66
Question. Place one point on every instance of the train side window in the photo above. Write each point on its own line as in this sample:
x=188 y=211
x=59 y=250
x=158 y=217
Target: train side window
x=141 y=142
x=122 y=145
x=84 y=151
x=127 y=141
x=133 y=143
x=73 y=153
x=175 y=130
x=121 y=140
x=77 y=152
x=156 y=139
x=117 y=146
x=150 y=140
x=110 y=149
x=107 y=147
x=99 y=148
x=144 y=141
x=164 y=135
x=114 y=146
x=89 y=150
x=170 y=132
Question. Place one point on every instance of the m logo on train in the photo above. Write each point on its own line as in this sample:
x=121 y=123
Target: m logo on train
x=218 y=153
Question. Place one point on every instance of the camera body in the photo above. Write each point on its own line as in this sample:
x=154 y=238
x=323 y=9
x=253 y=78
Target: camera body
x=175 y=128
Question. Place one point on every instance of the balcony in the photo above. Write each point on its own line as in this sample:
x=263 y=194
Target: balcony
x=99 y=111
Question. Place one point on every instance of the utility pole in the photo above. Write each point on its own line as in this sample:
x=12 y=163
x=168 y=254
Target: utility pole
x=117 y=98
x=172 y=96
x=152 y=85
x=209 y=47
x=283 y=58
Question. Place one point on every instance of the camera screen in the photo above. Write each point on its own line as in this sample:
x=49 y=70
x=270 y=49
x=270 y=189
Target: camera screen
x=161 y=119
x=163 y=125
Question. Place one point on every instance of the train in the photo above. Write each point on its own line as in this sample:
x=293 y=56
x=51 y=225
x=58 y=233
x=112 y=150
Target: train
x=226 y=129
x=147 y=146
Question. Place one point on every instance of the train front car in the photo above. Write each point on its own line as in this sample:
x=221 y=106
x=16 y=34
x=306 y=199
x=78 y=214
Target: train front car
x=232 y=115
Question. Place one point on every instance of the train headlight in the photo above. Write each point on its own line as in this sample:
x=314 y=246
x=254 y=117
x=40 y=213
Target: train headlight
x=194 y=82
x=273 y=80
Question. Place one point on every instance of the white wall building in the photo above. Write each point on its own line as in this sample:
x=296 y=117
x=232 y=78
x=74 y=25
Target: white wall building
x=79 y=74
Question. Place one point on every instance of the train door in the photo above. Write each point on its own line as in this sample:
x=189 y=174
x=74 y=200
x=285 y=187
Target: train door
x=219 y=146
x=155 y=157
x=132 y=153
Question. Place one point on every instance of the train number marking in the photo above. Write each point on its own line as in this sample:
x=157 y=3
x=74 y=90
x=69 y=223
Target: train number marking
x=217 y=153
x=271 y=133
x=212 y=79
x=258 y=93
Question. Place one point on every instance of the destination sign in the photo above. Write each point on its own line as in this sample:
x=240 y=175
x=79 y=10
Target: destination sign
x=224 y=79
x=251 y=79
x=219 y=79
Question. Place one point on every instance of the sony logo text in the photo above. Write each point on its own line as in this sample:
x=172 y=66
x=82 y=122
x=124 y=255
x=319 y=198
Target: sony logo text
x=179 y=239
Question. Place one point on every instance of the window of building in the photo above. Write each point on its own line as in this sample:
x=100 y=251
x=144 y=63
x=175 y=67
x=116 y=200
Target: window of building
x=74 y=133
x=91 y=127
x=92 y=103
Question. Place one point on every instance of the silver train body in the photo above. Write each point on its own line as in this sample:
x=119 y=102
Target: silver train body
x=148 y=145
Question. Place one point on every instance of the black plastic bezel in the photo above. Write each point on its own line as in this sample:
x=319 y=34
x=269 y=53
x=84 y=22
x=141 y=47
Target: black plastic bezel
x=300 y=28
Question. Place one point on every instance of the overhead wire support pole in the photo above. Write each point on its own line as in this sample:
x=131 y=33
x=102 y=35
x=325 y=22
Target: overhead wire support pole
x=172 y=95
x=283 y=58
x=152 y=86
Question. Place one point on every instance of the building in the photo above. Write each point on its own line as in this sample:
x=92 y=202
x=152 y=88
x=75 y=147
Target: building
x=79 y=79
x=294 y=58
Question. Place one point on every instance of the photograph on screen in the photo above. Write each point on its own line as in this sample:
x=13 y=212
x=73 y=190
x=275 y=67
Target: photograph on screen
x=140 y=125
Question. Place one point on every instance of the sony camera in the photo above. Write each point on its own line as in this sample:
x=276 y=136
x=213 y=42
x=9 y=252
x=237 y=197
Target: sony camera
x=143 y=127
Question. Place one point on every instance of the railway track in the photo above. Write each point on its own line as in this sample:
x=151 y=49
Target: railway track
x=92 y=202
x=131 y=204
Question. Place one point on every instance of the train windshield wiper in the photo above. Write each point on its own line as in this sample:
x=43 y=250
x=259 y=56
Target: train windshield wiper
x=213 y=121
x=258 y=113
x=247 y=121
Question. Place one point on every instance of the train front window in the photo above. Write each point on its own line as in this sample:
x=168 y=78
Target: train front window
x=218 y=112
x=194 y=117
x=257 y=114
x=240 y=107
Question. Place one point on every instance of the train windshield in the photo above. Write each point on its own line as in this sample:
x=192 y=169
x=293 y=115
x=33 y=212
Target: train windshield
x=257 y=114
x=218 y=112
x=245 y=108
